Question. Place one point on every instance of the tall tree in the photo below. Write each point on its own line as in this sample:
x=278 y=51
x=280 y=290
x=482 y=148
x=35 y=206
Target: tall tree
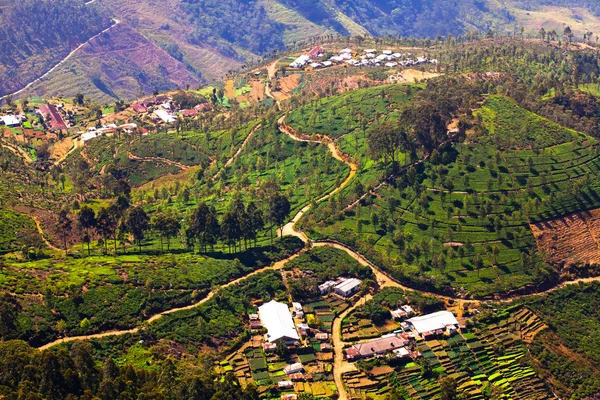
x=63 y=227
x=256 y=222
x=387 y=141
x=137 y=224
x=230 y=229
x=87 y=220
x=197 y=226
x=279 y=208
x=107 y=225
x=167 y=226
x=9 y=313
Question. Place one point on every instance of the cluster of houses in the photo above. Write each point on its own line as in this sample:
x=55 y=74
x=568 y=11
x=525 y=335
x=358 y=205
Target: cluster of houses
x=398 y=343
x=345 y=287
x=278 y=320
x=368 y=58
x=287 y=326
x=109 y=130
x=54 y=117
x=12 y=120
x=163 y=109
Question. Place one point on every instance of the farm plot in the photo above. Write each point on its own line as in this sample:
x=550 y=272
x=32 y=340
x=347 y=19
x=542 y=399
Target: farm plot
x=572 y=239
x=495 y=357
x=338 y=115
x=460 y=222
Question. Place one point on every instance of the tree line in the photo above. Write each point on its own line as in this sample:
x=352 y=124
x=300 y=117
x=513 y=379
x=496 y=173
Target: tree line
x=237 y=227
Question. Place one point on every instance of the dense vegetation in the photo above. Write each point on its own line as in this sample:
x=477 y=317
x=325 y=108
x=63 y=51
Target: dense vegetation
x=73 y=374
x=573 y=318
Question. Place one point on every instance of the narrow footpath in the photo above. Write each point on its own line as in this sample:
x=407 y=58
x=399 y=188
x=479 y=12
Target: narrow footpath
x=383 y=279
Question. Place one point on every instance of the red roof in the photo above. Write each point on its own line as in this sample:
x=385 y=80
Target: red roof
x=139 y=108
x=54 y=119
x=315 y=52
x=203 y=107
x=190 y=113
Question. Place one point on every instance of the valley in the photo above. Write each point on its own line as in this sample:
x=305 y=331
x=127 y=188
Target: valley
x=402 y=229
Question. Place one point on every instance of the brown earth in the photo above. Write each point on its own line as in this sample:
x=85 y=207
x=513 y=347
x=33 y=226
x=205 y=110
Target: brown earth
x=257 y=94
x=46 y=222
x=287 y=84
x=119 y=63
x=572 y=239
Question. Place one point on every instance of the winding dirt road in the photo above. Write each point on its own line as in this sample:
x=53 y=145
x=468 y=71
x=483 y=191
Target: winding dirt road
x=275 y=266
x=340 y=365
x=289 y=229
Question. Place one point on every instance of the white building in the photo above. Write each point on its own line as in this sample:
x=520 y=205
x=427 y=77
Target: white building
x=326 y=287
x=441 y=320
x=298 y=311
x=293 y=368
x=276 y=317
x=348 y=287
x=11 y=120
x=89 y=135
x=285 y=384
x=165 y=116
x=300 y=61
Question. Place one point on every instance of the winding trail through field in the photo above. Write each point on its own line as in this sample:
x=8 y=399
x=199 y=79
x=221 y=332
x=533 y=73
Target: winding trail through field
x=159 y=159
x=61 y=62
x=275 y=266
x=340 y=366
x=19 y=152
x=289 y=229
x=38 y=226
x=237 y=153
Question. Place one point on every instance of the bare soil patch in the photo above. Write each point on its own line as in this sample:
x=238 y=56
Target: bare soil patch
x=61 y=148
x=287 y=85
x=257 y=94
x=572 y=239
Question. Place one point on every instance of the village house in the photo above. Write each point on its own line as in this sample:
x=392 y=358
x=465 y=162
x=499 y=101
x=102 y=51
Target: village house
x=203 y=107
x=348 y=287
x=293 y=368
x=12 y=120
x=298 y=311
x=326 y=287
x=285 y=384
x=276 y=317
x=377 y=347
x=139 y=108
x=303 y=329
x=435 y=324
x=269 y=347
x=398 y=314
x=165 y=116
x=300 y=61
x=289 y=397
x=52 y=117
x=321 y=336
x=189 y=113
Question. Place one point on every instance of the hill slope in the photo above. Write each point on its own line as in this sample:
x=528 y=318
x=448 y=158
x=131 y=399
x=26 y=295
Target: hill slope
x=120 y=63
x=211 y=38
